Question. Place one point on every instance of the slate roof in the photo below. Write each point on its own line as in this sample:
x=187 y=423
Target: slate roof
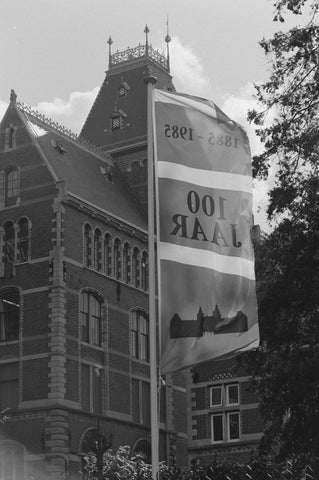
x=97 y=127
x=81 y=170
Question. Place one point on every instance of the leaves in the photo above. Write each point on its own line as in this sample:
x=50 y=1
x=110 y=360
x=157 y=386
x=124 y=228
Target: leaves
x=287 y=260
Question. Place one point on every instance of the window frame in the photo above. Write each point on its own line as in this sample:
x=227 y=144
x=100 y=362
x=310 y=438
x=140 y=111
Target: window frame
x=144 y=412
x=139 y=336
x=226 y=409
x=215 y=387
x=218 y=415
x=228 y=414
x=11 y=185
x=227 y=387
x=91 y=324
x=95 y=395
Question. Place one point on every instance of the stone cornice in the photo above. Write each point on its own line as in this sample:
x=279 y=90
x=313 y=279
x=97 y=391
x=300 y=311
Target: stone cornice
x=105 y=218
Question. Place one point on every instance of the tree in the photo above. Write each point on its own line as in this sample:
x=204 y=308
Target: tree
x=287 y=264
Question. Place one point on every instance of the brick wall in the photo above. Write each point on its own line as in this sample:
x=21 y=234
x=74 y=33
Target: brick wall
x=35 y=379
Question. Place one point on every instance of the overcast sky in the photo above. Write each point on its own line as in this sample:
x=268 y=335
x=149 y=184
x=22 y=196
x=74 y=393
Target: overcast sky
x=54 y=53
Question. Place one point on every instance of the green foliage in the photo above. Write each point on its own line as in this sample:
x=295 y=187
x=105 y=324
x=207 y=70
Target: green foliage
x=287 y=263
x=120 y=466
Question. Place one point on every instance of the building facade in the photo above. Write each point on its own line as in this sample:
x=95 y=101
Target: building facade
x=223 y=415
x=74 y=326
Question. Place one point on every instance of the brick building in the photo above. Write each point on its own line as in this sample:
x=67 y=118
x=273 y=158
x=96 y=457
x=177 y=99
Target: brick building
x=223 y=415
x=74 y=328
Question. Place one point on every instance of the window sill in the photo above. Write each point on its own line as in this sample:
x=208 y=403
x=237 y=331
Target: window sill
x=92 y=345
x=6 y=342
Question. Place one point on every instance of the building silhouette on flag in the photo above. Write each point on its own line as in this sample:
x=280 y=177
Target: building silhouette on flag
x=213 y=324
x=74 y=359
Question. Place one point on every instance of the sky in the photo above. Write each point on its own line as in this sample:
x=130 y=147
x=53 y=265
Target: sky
x=54 y=54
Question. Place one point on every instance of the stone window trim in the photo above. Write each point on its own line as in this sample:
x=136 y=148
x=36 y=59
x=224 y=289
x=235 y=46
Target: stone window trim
x=224 y=395
x=225 y=426
x=91 y=323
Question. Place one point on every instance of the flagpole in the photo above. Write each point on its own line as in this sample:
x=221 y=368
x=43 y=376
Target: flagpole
x=150 y=81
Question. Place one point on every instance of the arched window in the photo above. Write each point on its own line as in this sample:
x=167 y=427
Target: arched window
x=23 y=240
x=139 y=335
x=136 y=267
x=9 y=314
x=87 y=245
x=126 y=262
x=91 y=318
x=144 y=271
x=12 y=186
x=143 y=449
x=107 y=251
x=10 y=139
x=9 y=248
x=97 y=248
x=117 y=256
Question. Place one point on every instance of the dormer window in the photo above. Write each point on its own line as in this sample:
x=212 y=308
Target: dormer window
x=121 y=91
x=116 y=121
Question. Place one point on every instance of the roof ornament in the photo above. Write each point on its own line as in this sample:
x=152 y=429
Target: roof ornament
x=146 y=31
x=110 y=41
x=167 y=40
x=13 y=96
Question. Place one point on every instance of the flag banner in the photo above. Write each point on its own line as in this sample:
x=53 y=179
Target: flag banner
x=204 y=188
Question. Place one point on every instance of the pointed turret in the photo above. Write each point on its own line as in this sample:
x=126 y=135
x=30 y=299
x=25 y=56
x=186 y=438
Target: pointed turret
x=216 y=313
x=118 y=116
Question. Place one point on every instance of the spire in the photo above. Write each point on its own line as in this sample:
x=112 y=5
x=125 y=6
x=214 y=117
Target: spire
x=200 y=314
x=167 y=40
x=146 y=31
x=110 y=41
x=13 y=96
x=216 y=313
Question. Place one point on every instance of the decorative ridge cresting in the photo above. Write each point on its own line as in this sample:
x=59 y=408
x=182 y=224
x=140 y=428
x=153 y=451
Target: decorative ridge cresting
x=48 y=124
x=140 y=51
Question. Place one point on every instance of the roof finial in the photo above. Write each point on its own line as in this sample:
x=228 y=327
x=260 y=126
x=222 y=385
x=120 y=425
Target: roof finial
x=146 y=31
x=110 y=41
x=13 y=96
x=167 y=40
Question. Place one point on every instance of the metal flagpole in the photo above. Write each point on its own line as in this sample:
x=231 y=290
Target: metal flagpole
x=150 y=81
